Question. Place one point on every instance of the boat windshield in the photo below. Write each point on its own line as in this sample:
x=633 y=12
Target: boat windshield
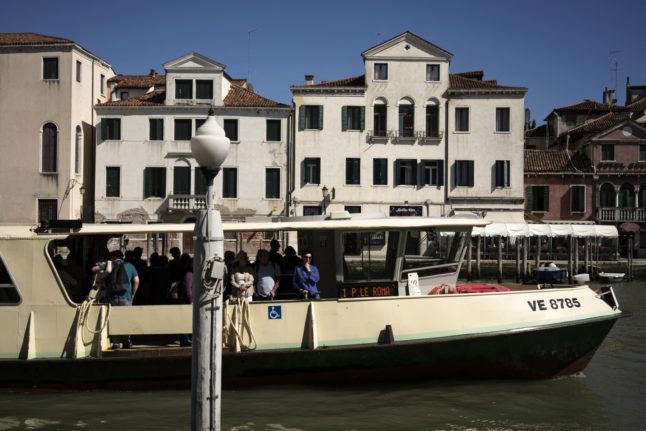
x=433 y=252
x=369 y=255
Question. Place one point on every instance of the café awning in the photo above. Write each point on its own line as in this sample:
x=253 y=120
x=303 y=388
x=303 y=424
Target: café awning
x=513 y=230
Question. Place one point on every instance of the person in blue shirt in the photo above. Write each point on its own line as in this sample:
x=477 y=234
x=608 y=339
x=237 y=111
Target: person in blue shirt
x=306 y=277
x=122 y=298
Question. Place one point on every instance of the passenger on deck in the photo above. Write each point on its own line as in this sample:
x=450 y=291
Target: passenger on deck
x=158 y=279
x=69 y=282
x=306 y=277
x=101 y=271
x=289 y=264
x=267 y=277
x=124 y=298
x=241 y=279
x=185 y=293
x=274 y=253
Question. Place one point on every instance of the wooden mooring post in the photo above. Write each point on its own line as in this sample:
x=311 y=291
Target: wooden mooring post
x=499 y=259
x=478 y=243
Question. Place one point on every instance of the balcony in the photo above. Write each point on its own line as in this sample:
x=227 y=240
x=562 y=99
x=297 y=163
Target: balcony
x=403 y=136
x=622 y=214
x=186 y=203
x=377 y=137
x=430 y=137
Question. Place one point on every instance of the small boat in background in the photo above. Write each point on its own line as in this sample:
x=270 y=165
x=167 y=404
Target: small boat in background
x=549 y=273
x=583 y=278
x=612 y=277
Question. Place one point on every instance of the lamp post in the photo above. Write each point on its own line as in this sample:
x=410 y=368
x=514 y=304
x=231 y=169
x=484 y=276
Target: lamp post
x=326 y=197
x=210 y=147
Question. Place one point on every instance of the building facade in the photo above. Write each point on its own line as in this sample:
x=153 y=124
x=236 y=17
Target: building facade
x=145 y=168
x=48 y=90
x=407 y=137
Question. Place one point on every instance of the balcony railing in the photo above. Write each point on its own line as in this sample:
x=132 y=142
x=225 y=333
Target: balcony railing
x=621 y=214
x=430 y=136
x=377 y=136
x=187 y=203
x=403 y=136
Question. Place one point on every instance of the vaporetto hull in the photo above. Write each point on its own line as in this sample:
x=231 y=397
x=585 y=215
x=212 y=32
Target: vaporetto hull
x=529 y=353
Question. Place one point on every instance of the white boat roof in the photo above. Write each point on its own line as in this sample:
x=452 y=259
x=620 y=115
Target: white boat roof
x=299 y=223
x=546 y=230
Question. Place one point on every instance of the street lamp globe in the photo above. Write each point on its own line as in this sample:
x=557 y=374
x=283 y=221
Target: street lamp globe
x=210 y=146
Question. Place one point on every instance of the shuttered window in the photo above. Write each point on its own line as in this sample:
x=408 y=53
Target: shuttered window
x=432 y=172
x=353 y=118
x=50 y=68
x=49 y=149
x=272 y=183
x=204 y=89
x=463 y=173
x=577 y=198
x=406 y=172
x=231 y=129
x=201 y=185
x=273 y=130
x=183 y=89
x=432 y=120
x=112 y=181
x=352 y=171
x=502 y=119
x=156 y=132
x=461 y=119
x=230 y=183
x=181 y=180
x=538 y=198
x=154 y=182
x=47 y=209
x=110 y=129
x=379 y=172
x=310 y=117
x=501 y=173
x=312 y=171
x=380 y=123
x=183 y=129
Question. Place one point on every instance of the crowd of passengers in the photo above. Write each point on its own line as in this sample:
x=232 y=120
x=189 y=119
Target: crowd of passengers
x=164 y=280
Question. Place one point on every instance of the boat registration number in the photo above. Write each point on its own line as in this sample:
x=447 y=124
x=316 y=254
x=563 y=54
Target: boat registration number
x=554 y=304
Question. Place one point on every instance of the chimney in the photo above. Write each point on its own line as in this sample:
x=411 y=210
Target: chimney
x=152 y=72
x=527 y=118
x=309 y=79
x=609 y=96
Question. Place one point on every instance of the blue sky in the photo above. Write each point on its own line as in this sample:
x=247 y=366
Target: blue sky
x=560 y=50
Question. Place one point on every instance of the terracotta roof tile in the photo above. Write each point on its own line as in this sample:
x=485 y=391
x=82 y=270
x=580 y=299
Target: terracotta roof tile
x=353 y=81
x=556 y=161
x=599 y=124
x=589 y=106
x=536 y=132
x=244 y=98
x=154 y=98
x=472 y=74
x=30 y=39
x=638 y=106
x=458 y=81
x=138 y=81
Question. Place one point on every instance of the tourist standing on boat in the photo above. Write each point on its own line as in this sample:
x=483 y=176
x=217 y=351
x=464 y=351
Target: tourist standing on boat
x=306 y=277
x=287 y=267
x=274 y=253
x=121 y=288
x=242 y=277
x=267 y=277
x=185 y=293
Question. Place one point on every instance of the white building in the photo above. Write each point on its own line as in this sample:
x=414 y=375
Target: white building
x=48 y=88
x=145 y=169
x=407 y=137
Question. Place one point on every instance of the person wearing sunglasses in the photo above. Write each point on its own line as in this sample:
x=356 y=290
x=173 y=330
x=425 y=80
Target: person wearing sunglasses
x=306 y=277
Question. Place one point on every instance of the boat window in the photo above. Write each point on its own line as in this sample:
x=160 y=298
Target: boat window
x=8 y=292
x=369 y=255
x=433 y=252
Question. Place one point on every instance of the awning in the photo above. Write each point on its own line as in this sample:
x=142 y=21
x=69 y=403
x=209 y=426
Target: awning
x=513 y=230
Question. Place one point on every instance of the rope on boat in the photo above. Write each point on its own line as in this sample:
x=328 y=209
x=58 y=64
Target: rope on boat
x=84 y=312
x=238 y=322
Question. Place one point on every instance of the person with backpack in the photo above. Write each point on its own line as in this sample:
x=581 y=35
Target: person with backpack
x=121 y=287
x=267 y=277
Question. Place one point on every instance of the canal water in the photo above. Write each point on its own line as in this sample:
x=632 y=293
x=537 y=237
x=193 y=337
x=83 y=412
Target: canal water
x=609 y=395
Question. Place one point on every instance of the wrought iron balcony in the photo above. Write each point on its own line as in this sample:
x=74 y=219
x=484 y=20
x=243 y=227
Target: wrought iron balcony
x=377 y=137
x=403 y=136
x=186 y=203
x=430 y=136
x=621 y=214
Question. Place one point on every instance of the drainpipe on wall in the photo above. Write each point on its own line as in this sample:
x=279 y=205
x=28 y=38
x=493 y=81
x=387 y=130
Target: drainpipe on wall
x=446 y=150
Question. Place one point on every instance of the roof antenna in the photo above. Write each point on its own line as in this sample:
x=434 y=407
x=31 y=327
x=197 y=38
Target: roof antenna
x=249 y=54
x=614 y=68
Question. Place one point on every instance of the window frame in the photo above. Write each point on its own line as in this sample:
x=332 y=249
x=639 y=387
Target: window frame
x=78 y=150
x=51 y=149
x=179 y=88
x=79 y=69
x=311 y=117
x=353 y=118
x=464 y=179
x=50 y=201
x=502 y=174
x=429 y=68
x=572 y=196
x=383 y=162
x=459 y=112
x=438 y=164
x=110 y=129
x=409 y=165
x=432 y=118
x=406 y=120
x=273 y=121
x=276 y=191
x=226 y=177
x=181 y=172
x=108 y=189
x=503 y=119
x=124 y=95
x=47 y=69
x=378 y=118
x=149 y=186
x=531 y=200
x=352 y=171
x=183 y=121
x=226 y=124
x=380 y=72
x=154 y=136
x=309 y=175
x=199 y=82
x=603 y=149
x=11 y=284
x=102 y=84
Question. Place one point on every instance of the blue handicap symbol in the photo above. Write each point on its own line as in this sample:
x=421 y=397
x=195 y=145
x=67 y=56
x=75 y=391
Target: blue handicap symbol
x=275 y=312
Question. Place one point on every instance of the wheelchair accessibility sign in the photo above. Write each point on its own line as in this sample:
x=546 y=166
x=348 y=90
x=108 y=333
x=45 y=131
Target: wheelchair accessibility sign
x=275 y=312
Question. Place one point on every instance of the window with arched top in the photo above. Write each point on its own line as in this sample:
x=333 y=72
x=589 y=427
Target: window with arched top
x=627 y=196
x=607 y=195
x=406 y=118
x=78 y=149
x=380 y=123
x=432 y=118
x=182 y=178
x=49 y=148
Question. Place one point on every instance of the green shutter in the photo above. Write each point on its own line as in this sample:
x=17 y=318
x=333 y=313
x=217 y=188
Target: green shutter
x=320 y=117
x=104 y=129
x=397 y=179
x=363 y=118
x=546 y=198
x=440 y=172
x=146 y=182
x=415 y=169
x=344 y=118
x=117 y=129
x=470 y=173
x=530 y=198
x=301 y=117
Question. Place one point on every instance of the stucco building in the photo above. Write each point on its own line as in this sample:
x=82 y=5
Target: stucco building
x=48 y=89
x=145 y=169
x=408 y=137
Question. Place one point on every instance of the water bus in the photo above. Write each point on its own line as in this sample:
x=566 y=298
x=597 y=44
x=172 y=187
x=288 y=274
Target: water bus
x=391 y=309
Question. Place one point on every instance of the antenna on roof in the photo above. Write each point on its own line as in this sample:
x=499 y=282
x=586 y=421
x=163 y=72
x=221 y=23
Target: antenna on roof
x=249 y=54
x=614 y=67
